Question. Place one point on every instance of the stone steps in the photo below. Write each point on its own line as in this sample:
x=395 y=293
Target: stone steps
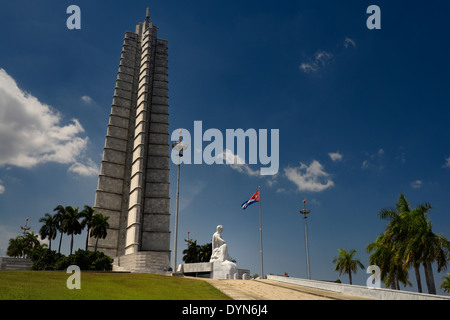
x=143 y=262
x=8 y=263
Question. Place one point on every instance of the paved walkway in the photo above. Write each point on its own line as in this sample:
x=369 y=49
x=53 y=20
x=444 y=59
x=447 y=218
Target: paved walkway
x=274 y=290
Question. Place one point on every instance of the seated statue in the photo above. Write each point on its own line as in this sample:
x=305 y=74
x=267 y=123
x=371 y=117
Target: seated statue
x=219 y=247
x=223 y=266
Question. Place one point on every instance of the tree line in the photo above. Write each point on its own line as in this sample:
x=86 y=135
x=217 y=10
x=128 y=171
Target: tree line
x=65 y=220
x=407 y=242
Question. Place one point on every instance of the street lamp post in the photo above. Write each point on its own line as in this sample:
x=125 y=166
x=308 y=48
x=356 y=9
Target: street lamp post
x=305 y=211
x=178 y=146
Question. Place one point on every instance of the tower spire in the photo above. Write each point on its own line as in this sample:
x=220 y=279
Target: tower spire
x=147 y=16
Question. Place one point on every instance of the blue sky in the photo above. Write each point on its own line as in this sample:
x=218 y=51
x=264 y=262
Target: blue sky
x=362 y=114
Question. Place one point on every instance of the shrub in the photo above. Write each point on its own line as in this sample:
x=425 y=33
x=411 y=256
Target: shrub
x=90 y=260
x=45 y=259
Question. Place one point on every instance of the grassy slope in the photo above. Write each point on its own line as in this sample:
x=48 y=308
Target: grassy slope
x=49 y=285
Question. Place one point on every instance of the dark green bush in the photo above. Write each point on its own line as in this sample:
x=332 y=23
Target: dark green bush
x=45 y=259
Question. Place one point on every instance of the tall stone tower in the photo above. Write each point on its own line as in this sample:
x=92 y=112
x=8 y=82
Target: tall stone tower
x=133 y=184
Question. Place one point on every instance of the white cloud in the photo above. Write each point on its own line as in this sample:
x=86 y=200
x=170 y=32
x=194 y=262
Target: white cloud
x=229 y=157
x=2 y=187
x=238 y=163
x=43 y=241
x=416 y=184
x=84 y=169
x=374 y=160
x=273 y=180
x=320 y=59
x=365 y=164
x=86 y=99
x=349 y=42
x=308 y=67
x=447 y=163
x=335 y=156
x=31 y=131
x=309 y=178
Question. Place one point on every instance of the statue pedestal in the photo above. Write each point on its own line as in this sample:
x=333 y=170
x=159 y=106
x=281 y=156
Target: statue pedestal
x=213 y=270
x=224 y=270
x=219 y=266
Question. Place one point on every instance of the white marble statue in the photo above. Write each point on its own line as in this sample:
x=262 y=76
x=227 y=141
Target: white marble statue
x=219 y=247
x=224 y=268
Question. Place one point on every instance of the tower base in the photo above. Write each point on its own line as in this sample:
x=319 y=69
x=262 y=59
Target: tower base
x=157 y=262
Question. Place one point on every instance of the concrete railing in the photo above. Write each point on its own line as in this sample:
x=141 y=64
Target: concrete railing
x=380 y=294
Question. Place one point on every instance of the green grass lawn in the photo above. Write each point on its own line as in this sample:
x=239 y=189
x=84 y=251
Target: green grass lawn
x=51 y=285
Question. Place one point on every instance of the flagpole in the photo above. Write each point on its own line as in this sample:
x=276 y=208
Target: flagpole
x=260 y=234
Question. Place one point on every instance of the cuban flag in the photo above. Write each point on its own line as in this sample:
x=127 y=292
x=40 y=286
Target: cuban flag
x=254 y=198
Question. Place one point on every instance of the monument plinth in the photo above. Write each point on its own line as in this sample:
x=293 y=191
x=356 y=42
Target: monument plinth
x=133 y=184
x=219 y=266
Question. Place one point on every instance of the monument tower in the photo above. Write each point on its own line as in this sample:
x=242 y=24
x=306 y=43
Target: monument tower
x=133 y=184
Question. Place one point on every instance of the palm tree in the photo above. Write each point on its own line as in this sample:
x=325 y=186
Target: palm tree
x=392 y=270
x=16 y=247
x=70 y=223
x=59 y=216
x=410 y=237
x=436 y=250
x=30 y=242
x=346 y=264
x=87 y=215
x=99 y=227
x=412 y=247
x=191 y=252
x=446 y=284
x=204 y=252
x=48 y=229
x=394 y=242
